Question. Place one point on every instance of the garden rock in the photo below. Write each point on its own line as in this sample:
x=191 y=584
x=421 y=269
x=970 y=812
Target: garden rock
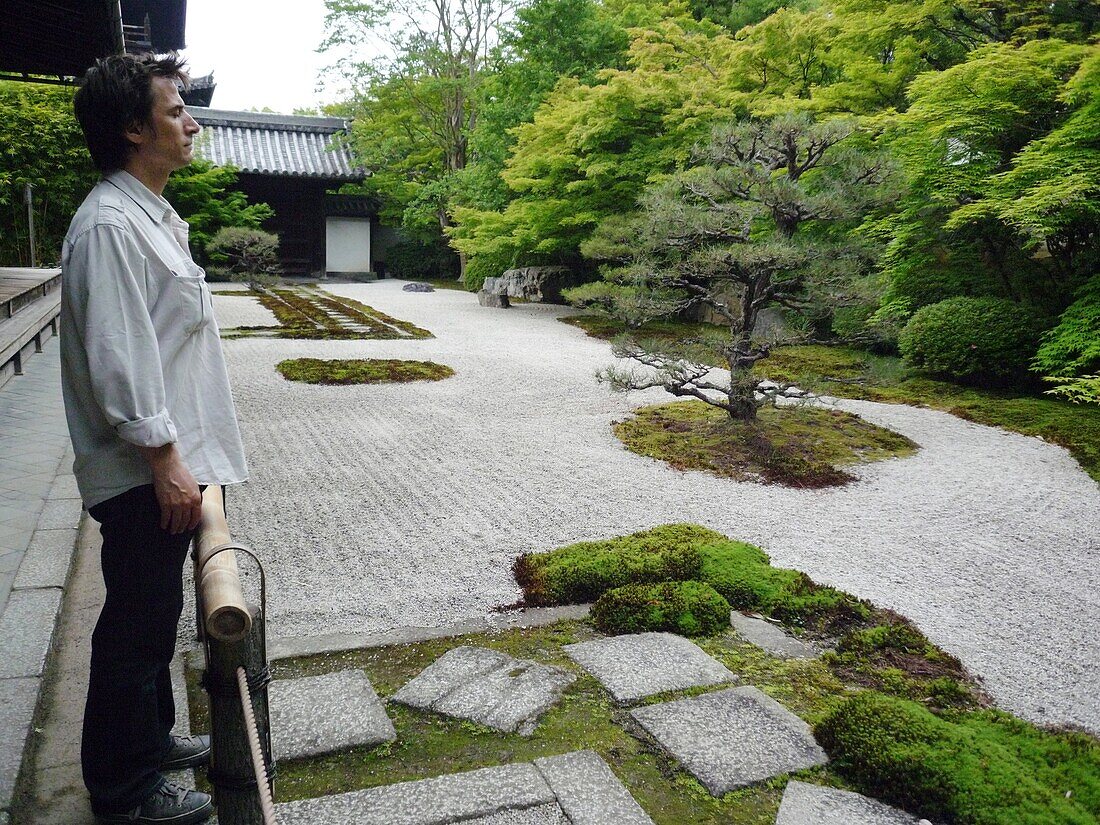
x=772 y=639
x=493 y=299
x=732 y=738
x=805 y=804
x=487 y=687
x=644 y=664
x=418 y=286
x=540 y=284
x=321 y=714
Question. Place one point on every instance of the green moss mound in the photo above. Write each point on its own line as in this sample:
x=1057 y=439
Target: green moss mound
x=689 y=608
x=361 y=371
x=582 y=572
x=979 y=768
x=740 y=573
x=794 y=446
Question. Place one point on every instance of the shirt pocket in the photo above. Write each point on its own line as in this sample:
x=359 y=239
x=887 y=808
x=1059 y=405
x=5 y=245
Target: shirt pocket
x=193 y=296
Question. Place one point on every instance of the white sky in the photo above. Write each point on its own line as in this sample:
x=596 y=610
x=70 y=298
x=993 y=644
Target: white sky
x=262 y=53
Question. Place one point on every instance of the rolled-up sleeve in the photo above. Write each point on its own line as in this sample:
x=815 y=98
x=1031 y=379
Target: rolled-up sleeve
x=123 y=357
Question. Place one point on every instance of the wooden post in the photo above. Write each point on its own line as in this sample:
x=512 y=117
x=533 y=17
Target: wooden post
x=231 y=771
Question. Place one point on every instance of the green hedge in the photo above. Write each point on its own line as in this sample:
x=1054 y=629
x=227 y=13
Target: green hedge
x=688 y=608
x=980 y=768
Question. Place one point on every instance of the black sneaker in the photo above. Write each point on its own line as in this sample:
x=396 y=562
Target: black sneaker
x=168 y=805
x=186 y=752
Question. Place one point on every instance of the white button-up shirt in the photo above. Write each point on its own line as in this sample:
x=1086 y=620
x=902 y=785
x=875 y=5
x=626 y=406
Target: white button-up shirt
x=141 y=358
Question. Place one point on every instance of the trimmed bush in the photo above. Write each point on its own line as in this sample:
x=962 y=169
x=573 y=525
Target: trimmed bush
x=582 y=572
x=970 y=338
x=688 y=608
x=981 y=768
x=249 y=255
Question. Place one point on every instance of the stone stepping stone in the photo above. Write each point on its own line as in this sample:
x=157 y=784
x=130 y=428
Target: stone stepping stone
x=487 y=687
x=574 y=789
x=589 y=792
x=316 y=715
x=805 y=804
x=772 y=639
x=635 y=666
x=732 y=738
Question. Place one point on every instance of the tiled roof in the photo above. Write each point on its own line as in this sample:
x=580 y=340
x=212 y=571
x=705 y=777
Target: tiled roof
x=271 y=144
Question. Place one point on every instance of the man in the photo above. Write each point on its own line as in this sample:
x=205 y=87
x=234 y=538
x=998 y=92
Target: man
x=152 y=421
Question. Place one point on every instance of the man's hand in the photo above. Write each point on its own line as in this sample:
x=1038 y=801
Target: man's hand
x=177 y=491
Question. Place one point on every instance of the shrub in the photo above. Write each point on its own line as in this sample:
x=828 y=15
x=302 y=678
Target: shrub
x=582 y=572
x=1070 y=353
x=415 y=261
x=689 y=608
x=250 y=255
x=970 y=338
x=979 y=768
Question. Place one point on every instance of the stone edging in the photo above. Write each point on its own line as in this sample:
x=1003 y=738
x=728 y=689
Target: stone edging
x=298 y=646
x=28 y=625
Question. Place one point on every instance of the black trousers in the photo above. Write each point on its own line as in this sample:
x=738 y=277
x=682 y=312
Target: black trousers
x=130 y=712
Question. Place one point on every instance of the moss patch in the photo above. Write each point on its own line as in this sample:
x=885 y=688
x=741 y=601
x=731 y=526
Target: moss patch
x=877 y=648
x=688 y=608
x=794 y=446
x=361 y=371
x=975 y=768
x=311 y=313
x=852 y=373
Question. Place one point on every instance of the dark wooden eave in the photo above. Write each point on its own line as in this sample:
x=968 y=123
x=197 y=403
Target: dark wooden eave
x=59 y=39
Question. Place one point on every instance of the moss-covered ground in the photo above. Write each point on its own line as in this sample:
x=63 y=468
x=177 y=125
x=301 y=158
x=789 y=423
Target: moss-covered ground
x=312 y=313
x=942 y=754
x=852 y=373
x=361 y=371
x=798 y=446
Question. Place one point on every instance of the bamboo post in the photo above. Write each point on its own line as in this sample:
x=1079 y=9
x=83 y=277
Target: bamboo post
x=231 y=769
x=224 y=614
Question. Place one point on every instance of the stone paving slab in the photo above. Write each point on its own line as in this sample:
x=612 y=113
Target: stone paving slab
x=487 y=687
x=47 y=560
x=443 y=799
x=589 y=792
x=644 y=664
x=773 y=639
x=17 y=700
x=539 y=815
x=805 y=804
x=58 y=514
x=321 y=714
x=732 y=738
x=26 y=629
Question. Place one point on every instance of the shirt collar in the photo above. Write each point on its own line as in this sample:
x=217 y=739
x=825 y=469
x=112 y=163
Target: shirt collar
x=151 y=203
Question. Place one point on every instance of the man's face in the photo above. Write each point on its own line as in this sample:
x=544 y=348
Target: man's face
x=168 y=145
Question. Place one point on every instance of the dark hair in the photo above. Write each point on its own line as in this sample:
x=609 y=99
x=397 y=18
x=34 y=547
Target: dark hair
x=116 y=93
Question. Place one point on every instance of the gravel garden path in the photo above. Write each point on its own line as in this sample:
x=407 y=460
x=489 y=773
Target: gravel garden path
x=404 y=505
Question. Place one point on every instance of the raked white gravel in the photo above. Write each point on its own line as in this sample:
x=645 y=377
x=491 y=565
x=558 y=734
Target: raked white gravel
x=404 y=505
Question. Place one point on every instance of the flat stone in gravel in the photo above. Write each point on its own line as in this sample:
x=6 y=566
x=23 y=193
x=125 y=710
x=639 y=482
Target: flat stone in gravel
x=17 y=700
x=47 y=560
x=321 y=714
x=487 y=687
x=442 y=799
x=805 y=804
x=26 y=629
x=589 y=792
x=732 y=738
x=644 y=664
x=773 y=639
